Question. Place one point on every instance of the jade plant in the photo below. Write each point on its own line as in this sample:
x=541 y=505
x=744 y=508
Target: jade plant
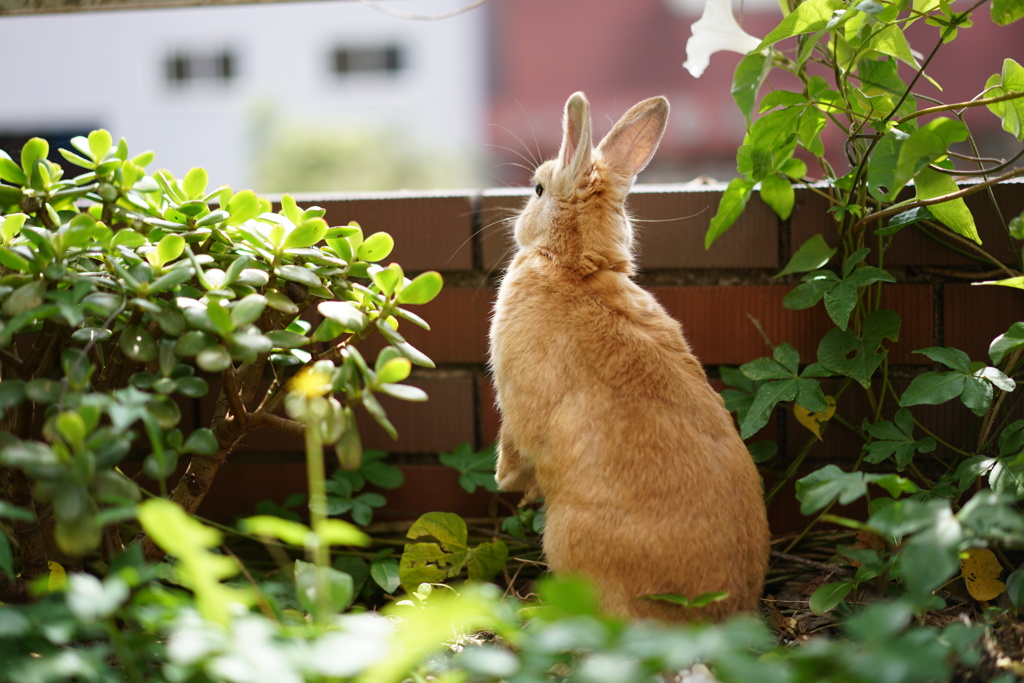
x=126 y=293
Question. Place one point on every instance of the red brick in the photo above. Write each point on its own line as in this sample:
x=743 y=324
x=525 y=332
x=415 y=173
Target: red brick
x=670 y=222
x=975 y=315
x=432 y=488
x=718 y=321
x=498 y=209
x=459 y=320
x=445 y=421
x=431 y=231
x=488 y=412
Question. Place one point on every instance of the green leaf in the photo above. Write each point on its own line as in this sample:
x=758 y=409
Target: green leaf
x=243 y=206
x=10 y=171
x=12 y=225
x=202 y=442
x=770 y=143
x=169 y=248
x=247 y=310
x=33 y=151
x=811 y=290
x=71 y=427
x=386 y=279
x=1015 y=588
x=786 y=385
x=734 y=201
x=299 y=274
x=890 y=40
x=930 y=558
x=194 y=183
x=220 y=317
x=1014 y=282
x=818 y=489
x=812 y=255
x=933 y=388
x=375 y=247
x=1008 y=341
x=422 y=290
x=1009 y=81
x=345 y=313
x=927 y=144
x=214 y=359
x=100 y=143
x=882 y=181
x=777 y=192
x=953 y=213
x=475 y=469
x=403 y=392
x=808 y=17
x=484 y=561
x=747 y=79
x=14 y=260
x=338 y=587
x=305 y=235
x=858 y=357
x=24 y=299
x=438 y=552
x=1006 y=477
x=137 y=344
x=290 y=209
x=896 y=440
x=1006 y=12
x=340 y=532
x=827 y=597
x=385 y=573
x=394 y=370
x=269 y=526
x=191 y=541
x=842 y=299
x=284 y=339
x=951 y=357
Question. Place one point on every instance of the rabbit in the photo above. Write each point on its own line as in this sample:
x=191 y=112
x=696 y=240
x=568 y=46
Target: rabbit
x=605 y=412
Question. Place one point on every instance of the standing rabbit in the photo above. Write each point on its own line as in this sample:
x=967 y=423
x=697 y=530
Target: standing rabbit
x=605 y=411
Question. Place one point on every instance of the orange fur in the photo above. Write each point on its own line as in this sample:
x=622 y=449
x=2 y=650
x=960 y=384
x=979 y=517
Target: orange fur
x=605 y=411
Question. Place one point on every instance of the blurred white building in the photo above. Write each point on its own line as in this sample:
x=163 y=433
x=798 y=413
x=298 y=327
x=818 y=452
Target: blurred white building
x=211 y=86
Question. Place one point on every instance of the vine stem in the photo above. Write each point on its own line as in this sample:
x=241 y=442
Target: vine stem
x=960 y=105
x=993 y=411
x=917 y=203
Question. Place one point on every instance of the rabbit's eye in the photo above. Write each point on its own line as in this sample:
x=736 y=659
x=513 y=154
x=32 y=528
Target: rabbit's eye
x=539 y=189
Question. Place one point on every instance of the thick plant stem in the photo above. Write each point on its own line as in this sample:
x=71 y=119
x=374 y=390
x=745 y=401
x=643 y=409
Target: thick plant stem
x=229 y=429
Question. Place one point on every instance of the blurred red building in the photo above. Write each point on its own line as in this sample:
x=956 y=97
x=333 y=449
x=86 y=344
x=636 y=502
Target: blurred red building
x=621 y=52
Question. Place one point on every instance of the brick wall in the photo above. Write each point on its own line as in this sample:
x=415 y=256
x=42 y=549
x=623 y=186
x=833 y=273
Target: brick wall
x=717 y=295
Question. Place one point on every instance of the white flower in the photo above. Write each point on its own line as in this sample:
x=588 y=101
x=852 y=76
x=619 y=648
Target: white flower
x=716 y=30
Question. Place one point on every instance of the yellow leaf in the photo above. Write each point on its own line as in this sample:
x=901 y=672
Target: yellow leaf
x=813 y=421
x=981 y=572
x=58 y=577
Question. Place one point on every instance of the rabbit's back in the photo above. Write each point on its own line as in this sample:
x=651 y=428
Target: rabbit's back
x=649 y=488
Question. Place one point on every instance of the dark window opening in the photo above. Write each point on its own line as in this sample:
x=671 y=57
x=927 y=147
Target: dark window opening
x=183 y=67
x=388 y=59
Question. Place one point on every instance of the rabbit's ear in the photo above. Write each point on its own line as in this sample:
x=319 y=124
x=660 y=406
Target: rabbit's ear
x=576 y=140
x=629 y=146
